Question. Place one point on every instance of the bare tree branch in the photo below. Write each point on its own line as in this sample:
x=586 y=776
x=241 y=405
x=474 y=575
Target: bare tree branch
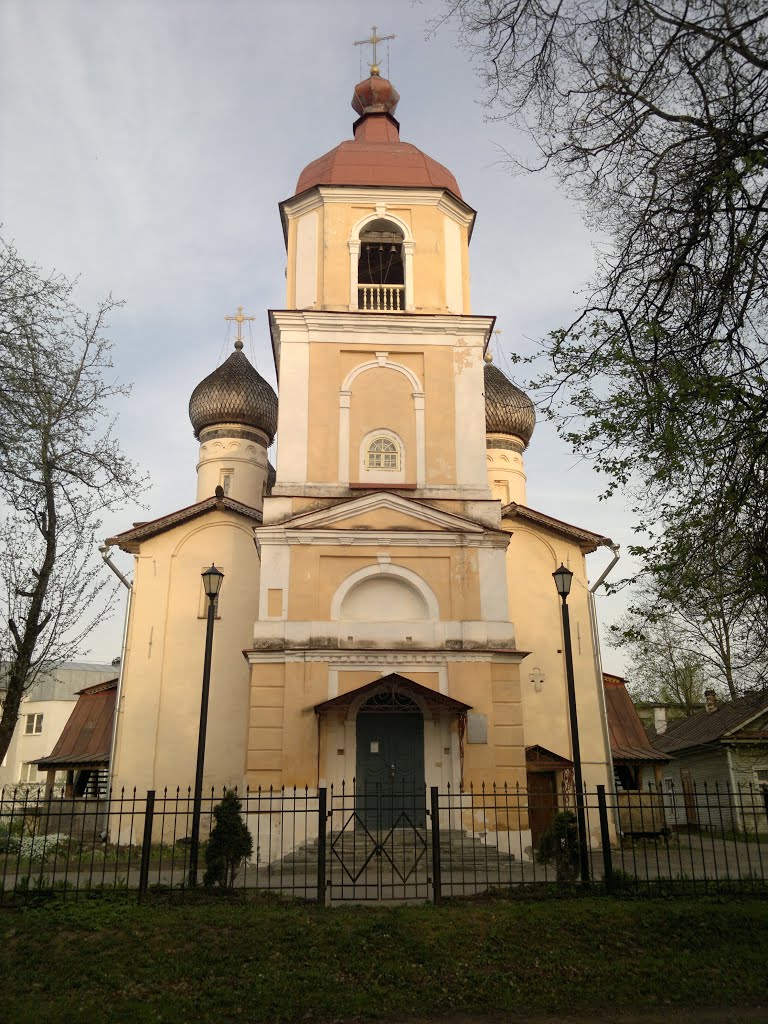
x=60 y=468
x=653 y=114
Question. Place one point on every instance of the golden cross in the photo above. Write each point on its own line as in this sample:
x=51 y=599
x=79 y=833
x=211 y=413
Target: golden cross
x=373 y=39
x=239 y=320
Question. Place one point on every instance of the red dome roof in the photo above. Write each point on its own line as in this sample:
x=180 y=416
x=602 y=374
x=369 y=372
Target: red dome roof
x=376 y=156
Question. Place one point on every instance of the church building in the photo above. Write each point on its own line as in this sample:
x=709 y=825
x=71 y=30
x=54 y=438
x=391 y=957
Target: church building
x=388 y=613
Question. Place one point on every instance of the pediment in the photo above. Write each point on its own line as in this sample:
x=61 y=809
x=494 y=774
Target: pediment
x=385 y=519
x=384 y=511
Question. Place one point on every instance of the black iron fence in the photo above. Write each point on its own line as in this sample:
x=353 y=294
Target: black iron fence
x=393 y=843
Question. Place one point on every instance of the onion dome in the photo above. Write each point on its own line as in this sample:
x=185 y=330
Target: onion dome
x=376 y=156
x=508 y=410
x=234 y=393
x=376 y=95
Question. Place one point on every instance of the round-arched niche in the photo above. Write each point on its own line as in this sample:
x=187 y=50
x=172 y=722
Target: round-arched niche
x=384 y=598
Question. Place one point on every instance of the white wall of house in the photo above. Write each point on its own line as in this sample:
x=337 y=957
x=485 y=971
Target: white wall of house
x=674 y=804
x=716 y=773
x=749 y=772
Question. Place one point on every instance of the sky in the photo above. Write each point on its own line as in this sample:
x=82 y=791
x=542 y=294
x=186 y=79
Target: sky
x=145 y=146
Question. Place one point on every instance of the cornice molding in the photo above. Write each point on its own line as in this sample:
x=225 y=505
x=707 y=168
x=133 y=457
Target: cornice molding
x=369 y=327
x=374 y=658
x=271 y=535
x=378 y=195
x=434 y=492
x=461 y=214
x=301 y=204
x=317 y=526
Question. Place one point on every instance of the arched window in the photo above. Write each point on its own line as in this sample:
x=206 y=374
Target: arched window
x=383 y=453
x=380 y=270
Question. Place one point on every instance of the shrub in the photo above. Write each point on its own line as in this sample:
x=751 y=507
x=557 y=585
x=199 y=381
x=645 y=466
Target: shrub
x=42 y=847
x=623 y=880
x=560 y=846
x=229 y=844
x=10 y=830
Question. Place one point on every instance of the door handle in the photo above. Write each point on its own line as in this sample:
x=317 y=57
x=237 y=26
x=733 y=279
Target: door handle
x=392 y=772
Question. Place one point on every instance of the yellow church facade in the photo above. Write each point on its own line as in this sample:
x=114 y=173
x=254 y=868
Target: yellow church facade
x=388 y=614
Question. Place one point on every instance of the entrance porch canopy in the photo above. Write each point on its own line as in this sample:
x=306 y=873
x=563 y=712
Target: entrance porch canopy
x=396 y=684
x=539 y=759
x=85 y=744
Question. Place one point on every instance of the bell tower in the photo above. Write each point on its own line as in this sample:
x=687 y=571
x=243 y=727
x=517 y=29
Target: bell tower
x=377 y=236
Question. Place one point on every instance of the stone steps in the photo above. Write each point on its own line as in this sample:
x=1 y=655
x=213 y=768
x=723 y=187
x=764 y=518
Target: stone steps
x=458 y=852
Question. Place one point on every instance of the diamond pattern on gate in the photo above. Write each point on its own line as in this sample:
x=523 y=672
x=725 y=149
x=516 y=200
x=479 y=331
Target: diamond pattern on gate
x=356 y=830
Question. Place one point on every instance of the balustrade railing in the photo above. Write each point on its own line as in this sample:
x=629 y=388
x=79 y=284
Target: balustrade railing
x=381 y=298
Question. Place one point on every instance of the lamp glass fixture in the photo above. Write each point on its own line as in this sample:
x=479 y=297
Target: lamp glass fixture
x=563 y=578
x=212 y=580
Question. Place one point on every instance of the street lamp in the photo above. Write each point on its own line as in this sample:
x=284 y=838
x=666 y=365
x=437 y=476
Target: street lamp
x=563 y=578
x=212 y=580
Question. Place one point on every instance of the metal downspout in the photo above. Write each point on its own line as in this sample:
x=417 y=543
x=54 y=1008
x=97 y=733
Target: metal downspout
x=104 y=550
x=599 y=676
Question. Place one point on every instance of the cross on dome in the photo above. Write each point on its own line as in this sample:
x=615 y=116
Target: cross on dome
x=239 y=319
x=373 y=40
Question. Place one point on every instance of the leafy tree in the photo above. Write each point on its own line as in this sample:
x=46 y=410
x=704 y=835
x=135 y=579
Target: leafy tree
x=653 y=115
x=660 y=669
x=61 y=468
x=679 y=650
x=229 y=844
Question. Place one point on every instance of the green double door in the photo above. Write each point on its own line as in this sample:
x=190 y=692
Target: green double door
x=390 y=789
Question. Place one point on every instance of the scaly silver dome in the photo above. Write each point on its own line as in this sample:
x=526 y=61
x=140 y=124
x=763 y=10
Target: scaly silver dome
x=234 y=393
x=271 y=478
x=508 y=410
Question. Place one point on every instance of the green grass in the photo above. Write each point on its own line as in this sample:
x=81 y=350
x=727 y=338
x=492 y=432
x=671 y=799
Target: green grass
x=113 y=960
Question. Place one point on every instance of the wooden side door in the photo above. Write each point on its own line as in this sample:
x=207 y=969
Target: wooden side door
x=542 y=803
x=691 y=816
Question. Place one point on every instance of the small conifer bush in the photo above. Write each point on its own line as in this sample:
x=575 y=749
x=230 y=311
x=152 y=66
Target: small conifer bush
x=560 y=846
x=230 y=843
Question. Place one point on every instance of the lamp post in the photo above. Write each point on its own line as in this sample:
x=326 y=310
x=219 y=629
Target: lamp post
x=212 y=580
x=563 y=578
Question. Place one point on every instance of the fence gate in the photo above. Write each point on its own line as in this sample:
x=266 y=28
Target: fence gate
x=377 y=845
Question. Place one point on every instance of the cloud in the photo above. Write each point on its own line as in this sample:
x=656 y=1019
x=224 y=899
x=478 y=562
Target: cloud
x=148 y=145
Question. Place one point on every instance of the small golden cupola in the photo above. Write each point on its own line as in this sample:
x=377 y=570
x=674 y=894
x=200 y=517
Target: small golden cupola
x=233 y=412
x=510 y=419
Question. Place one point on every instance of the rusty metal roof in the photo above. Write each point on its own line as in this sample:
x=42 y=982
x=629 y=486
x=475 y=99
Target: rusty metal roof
x=629 y=740
x=398 y=684
x=130 y=540
x=543 y=759
x=376 y=156
x=87 y=736
x=709 y=727
x=586 y=539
